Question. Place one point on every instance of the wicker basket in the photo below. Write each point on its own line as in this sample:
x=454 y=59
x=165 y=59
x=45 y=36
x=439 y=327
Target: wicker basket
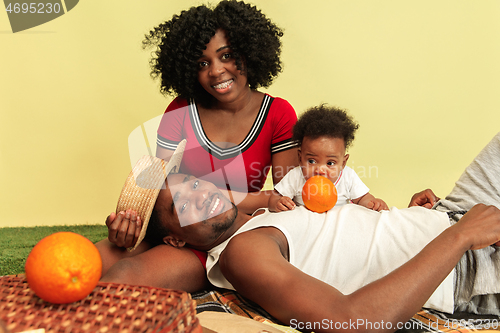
x=110 y=307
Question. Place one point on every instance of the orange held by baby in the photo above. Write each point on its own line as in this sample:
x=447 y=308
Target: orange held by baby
x=63 y=268
x=319 y=194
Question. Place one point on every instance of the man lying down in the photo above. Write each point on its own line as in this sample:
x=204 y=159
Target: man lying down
x=350 y=263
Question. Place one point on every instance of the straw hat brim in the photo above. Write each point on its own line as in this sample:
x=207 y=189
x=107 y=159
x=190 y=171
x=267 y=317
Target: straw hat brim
x=143 y=185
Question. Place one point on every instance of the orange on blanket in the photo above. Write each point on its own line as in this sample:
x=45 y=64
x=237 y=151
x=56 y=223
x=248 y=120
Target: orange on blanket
x=63 y=268
x=319 y=194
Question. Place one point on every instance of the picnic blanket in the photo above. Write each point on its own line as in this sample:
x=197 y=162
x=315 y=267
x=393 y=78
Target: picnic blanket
x=426 y=320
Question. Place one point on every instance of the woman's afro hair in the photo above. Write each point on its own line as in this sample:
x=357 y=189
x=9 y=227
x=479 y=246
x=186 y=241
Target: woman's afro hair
x=325 y=121
x=179 y=43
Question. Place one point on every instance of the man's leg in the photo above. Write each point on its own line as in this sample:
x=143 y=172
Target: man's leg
x=477 y=287
x=480 y=182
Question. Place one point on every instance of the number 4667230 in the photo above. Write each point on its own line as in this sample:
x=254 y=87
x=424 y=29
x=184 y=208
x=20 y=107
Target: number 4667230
x=33 y=8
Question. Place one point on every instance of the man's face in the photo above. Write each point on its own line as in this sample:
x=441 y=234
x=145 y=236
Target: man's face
x=195 y=211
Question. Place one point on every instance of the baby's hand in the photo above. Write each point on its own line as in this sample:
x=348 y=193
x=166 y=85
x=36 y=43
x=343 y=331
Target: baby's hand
x=284 y=203
x=376 y=204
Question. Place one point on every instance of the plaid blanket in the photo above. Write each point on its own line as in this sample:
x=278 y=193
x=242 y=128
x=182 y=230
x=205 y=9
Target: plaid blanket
x=426 y=320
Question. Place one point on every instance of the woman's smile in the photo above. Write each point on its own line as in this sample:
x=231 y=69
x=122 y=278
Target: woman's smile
x=223 y=86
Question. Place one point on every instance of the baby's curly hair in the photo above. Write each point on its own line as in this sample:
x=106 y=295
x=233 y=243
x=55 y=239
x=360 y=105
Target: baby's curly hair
x=326 y=121
x=180 y=43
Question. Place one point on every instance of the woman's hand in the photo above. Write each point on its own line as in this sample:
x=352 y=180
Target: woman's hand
x=124 y=228
x=425 y=198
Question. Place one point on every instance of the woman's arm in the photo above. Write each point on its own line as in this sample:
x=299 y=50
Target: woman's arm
x=163 y=153
x=283 y=162
x=248 y=203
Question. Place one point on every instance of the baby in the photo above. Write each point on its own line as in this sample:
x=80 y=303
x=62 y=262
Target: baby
x=323 y=133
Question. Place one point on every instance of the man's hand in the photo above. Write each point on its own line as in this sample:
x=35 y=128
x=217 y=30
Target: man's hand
x=425 y=198
x=482 y=225
x=124 y=228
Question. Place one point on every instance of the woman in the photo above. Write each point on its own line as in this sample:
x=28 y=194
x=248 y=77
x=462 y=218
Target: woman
x=228 y=124
x=213 y=60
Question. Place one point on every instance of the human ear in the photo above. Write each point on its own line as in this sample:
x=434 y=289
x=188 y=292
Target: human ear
x=346 y=157
x=174 y=241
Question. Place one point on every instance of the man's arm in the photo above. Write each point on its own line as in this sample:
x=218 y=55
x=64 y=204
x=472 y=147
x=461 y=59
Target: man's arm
x=254 y=262
x=161 y=266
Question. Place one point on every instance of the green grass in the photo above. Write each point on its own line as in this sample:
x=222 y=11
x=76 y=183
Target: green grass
x=16 y=243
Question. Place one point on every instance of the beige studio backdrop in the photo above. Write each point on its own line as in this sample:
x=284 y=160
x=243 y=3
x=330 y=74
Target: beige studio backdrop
x=422 y=78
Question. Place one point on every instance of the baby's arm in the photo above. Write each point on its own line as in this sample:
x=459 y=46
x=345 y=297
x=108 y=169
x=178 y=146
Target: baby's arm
x=278 y=203
x=369 y=201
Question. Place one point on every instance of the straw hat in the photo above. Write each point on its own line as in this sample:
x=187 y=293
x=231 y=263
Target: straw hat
x=143 y=186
